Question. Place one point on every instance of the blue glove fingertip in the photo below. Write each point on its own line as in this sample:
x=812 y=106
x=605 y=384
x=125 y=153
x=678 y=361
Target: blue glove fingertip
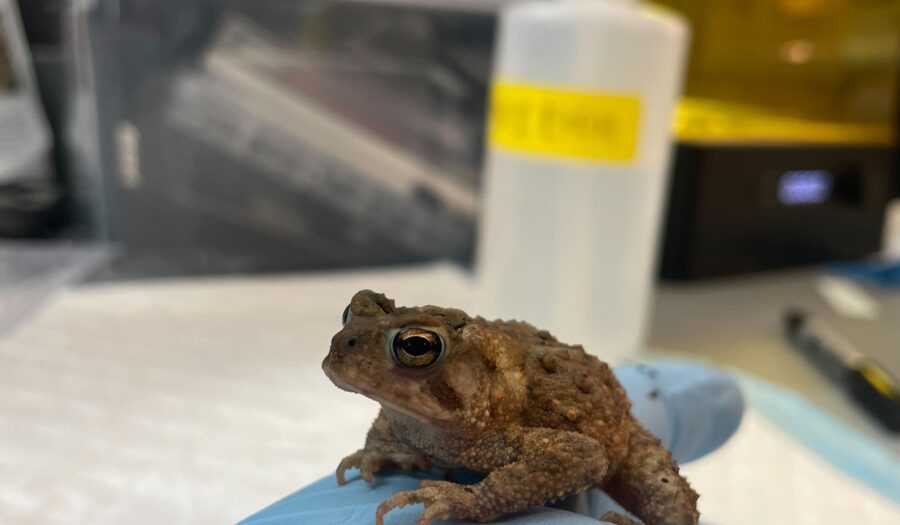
x=692 y=409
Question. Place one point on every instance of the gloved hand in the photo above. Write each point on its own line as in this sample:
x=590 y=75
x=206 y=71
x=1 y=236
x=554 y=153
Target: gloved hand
x=692 y=409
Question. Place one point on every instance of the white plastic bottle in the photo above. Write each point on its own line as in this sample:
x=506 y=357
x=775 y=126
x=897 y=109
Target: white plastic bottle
x=579 y=142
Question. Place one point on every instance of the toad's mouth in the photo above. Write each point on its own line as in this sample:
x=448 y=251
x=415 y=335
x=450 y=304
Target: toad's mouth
x=343 y=385
x=405 y=404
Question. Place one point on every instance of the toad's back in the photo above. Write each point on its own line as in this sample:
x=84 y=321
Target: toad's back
x=570 y=389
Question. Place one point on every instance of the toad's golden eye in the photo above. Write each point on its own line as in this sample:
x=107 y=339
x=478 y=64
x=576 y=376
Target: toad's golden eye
x=416 y=347
x=345 y=317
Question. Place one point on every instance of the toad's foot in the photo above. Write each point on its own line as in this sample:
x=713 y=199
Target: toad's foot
x=371 y=461
x=442 y=500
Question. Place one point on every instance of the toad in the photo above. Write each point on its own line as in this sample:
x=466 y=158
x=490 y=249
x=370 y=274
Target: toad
x=542 y=419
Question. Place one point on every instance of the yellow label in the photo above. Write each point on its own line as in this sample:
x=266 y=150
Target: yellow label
x=575 y=124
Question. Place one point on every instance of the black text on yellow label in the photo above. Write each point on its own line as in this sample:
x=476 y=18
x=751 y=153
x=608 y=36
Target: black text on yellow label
x=582 y=125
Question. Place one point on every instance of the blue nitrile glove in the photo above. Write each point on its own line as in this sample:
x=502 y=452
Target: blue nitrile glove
x=692 y=409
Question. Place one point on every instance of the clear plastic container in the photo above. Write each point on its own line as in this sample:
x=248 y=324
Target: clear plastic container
x=572 y=210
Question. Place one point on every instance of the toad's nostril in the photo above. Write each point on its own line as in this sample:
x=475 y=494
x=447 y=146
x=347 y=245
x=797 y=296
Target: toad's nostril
x=351 y=343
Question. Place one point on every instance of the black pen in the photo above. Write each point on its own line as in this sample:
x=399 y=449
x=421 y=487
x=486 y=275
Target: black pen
x=862 y=378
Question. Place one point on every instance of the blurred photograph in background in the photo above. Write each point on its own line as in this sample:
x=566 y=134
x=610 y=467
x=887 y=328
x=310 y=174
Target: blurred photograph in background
x=224 y=137
x=7 y=78
x=29 y=189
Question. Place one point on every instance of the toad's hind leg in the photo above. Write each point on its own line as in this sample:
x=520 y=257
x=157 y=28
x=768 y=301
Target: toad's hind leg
x=649 y=486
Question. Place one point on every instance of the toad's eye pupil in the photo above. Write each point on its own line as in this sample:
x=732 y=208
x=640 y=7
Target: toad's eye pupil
x=346 y=315
x=416 y=347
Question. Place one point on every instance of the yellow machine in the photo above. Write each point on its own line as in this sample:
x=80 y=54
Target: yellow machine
x=790 y=71
x=785 y=134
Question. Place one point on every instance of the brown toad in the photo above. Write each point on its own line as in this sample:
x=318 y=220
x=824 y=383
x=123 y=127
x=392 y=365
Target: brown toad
x=543 y=419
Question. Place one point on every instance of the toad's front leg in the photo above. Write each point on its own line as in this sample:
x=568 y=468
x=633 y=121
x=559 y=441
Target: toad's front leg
x=382 y=449
x=527 y=468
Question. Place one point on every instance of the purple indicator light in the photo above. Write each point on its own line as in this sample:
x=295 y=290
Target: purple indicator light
x=804 y=187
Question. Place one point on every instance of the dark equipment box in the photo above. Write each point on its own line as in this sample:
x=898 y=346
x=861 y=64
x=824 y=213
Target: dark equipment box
x=740 y=209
